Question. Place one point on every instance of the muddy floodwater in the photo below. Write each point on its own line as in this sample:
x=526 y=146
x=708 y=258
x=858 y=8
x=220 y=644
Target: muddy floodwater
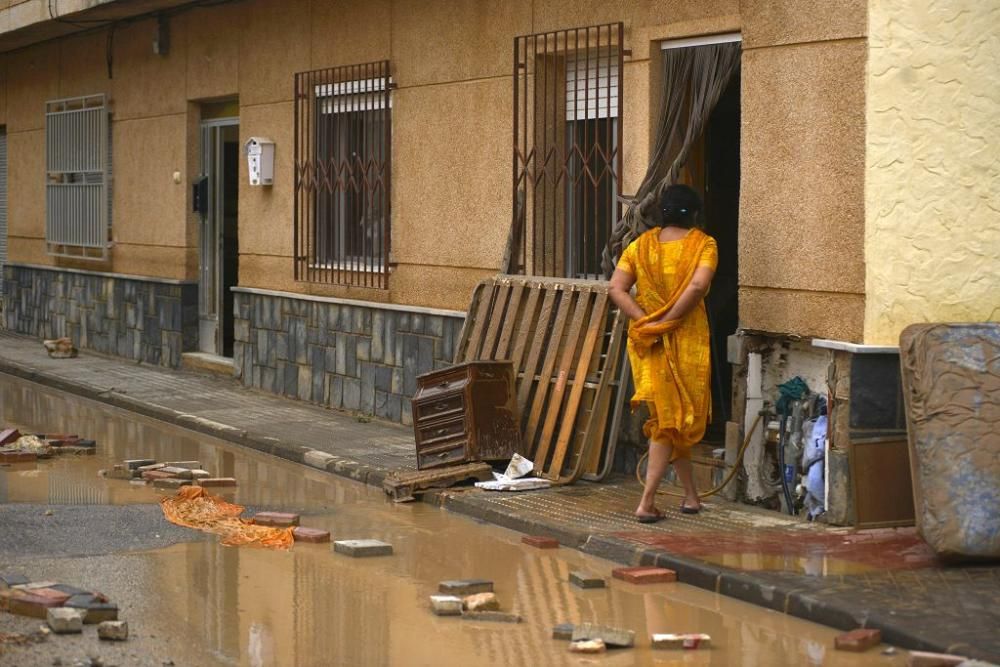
x=199 y=603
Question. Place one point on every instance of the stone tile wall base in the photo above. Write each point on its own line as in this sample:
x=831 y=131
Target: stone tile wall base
x=352 y=357
x=142 y=320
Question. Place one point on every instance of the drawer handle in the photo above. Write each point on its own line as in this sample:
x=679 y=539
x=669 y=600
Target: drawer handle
x=443 y=384
x=441 y=430
x=443 y=455
x=441 y=406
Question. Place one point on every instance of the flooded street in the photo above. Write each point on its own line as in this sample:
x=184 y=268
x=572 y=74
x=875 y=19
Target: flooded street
x=196 y=602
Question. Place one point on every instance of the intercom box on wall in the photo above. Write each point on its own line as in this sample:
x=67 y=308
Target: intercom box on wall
x=260 y=160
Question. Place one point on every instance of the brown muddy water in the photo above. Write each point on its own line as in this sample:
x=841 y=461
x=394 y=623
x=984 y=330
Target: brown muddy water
x=199 y=603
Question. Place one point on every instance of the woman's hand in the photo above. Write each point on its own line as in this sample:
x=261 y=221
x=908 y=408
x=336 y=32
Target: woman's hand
x=619 y=291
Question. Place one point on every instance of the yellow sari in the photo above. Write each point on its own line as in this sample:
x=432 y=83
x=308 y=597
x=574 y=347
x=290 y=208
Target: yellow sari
x=671 y=361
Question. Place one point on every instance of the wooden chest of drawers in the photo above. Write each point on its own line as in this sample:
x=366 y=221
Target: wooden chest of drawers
x=466 y=413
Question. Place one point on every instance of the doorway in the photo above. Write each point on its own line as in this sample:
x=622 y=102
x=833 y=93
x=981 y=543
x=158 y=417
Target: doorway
x=713 y=170
x=218 y=195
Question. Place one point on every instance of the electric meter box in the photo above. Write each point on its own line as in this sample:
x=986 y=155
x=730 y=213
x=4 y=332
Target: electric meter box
x=260 y=160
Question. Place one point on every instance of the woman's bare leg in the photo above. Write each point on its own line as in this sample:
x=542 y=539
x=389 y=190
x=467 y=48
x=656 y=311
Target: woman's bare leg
x=656 y=467
x=686 y=475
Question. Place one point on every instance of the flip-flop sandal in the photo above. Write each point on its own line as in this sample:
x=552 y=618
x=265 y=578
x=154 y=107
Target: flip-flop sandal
x=689 y=510
x=651 y=518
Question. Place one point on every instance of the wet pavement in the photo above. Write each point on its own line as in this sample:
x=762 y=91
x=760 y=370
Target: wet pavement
x=196 y=602
x=840 y=577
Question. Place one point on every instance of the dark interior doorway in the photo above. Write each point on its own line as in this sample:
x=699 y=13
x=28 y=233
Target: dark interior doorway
x=721 y=218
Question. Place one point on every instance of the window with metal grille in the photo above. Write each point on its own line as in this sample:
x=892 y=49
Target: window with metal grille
x=77 y=177
x=567 y=149
x=342 y=175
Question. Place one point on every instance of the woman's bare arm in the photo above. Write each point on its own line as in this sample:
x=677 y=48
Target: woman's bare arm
x=691 y=296
x=619 y=291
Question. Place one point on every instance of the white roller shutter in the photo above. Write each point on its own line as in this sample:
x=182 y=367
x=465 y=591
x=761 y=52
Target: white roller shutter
x=592 y=86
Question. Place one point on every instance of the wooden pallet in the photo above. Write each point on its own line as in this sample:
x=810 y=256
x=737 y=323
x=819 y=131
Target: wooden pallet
x=402 y=486
x=565 y=340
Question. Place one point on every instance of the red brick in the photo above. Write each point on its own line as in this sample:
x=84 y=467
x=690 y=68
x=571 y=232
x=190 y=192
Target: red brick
x=9 y=435
x=24 y=603
x=216 y=481
x=541 y=541
x=858 y=640
x=277 y=519
x=152 y=475
x=18 y=457
x=645 y=575
x=303 y=534
x=56 y=596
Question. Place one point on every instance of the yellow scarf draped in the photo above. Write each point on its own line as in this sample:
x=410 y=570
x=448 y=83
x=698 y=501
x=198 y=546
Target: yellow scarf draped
x=650 y=344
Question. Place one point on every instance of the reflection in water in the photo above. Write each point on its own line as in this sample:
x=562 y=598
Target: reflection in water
x=311 y=607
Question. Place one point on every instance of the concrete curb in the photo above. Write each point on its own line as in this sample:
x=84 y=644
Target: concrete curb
x=733 y=583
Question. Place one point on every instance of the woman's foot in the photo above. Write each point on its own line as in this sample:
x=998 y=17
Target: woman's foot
x=648 y=514
x=690 y=505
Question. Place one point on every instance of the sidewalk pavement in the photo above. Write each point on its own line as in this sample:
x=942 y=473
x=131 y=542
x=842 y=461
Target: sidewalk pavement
x=887 y=579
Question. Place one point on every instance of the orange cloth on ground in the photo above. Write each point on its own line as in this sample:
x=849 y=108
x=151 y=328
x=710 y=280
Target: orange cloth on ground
x=193 y=507
x=671 y=361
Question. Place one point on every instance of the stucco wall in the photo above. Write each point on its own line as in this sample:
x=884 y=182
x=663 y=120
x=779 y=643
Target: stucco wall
x=802 y=207
x=802 y=157
x=932 y=241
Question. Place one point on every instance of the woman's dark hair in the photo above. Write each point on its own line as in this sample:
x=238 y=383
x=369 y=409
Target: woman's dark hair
x=679 y=205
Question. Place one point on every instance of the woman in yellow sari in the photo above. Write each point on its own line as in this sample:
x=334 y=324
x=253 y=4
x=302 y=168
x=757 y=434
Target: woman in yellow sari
x=672 y=268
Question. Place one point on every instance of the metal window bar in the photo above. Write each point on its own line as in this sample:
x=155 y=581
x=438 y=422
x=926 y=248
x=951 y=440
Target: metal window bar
x=77 y=177
x=567 y=156
x=343 y=127
x=3 y=205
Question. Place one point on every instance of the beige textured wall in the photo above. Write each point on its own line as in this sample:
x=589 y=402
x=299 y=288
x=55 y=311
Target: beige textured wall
x=802 y=200
x=802 y=207
x=451 y=132
x=932 y=237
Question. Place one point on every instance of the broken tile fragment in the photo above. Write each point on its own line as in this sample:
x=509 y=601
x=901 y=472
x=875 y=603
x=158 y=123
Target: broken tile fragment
x=465 y=586
x=362 y=548
x=491 y=616
x=563 y=631
x=120 y=471
x=276 y=519
x=446 y=605
x=858 y=640
x=86 y=442
x=139 y=464
x=64 y=620
x=189 y=465
x=481 y=602
x=198 y=473
x=153 y=475
x=113 y=630
x=644 y=575
x=611 y=636
x=174 y=471
x=151 y=466
x=540 y=541
x=212 y=482
x=9 y=579
x=96 y=608
x=686 y=641
x=588 y=646
x=9 y=435
x=314 y=535
x=585 y=580
x=927 y=659
x=75 y=450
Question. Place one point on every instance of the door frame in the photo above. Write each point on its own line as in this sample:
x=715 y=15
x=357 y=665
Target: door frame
x=211 y=287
